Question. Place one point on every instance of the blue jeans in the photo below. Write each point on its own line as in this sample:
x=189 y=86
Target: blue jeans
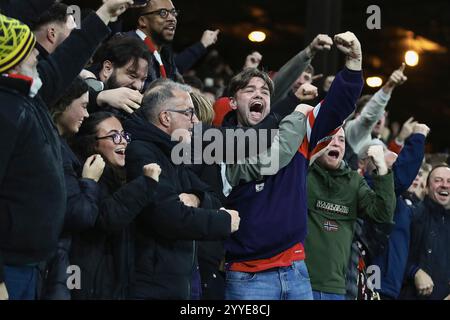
x=283 y=283
x=21 y=282
x=319 y=295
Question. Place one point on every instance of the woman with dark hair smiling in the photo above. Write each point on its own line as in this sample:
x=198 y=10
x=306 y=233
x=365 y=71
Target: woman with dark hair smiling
x=100 y=206
x=104 y=251
x=68 y=113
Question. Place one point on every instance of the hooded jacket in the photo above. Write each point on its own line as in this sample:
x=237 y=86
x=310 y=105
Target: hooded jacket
x=332 y=212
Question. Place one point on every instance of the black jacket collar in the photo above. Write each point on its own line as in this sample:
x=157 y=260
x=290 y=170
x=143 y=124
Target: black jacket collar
x=141 y=129
x=43 y=53
x=230 y=119
x=18 y=83
x=435 y=208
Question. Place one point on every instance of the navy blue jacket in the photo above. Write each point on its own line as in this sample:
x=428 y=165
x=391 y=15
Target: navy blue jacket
x=429 y=251
x=273 y=212
x=392 y=261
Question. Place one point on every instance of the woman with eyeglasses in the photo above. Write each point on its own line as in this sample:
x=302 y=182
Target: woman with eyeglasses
x=99 y=209
x=104 y=251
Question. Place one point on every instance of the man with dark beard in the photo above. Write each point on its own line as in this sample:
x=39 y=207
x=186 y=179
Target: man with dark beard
x=156 y=25
x=121 y=65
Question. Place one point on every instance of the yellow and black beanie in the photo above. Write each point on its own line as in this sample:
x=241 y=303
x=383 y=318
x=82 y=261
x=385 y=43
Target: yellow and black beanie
x=16 y=42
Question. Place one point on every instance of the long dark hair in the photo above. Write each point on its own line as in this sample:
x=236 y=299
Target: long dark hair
x=84 y=142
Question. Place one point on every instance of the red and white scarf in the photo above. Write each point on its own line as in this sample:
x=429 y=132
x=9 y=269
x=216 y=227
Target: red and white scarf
x=151 y=46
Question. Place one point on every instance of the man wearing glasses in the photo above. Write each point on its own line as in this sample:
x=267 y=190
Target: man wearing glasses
x=156 y=26
x=187 y=210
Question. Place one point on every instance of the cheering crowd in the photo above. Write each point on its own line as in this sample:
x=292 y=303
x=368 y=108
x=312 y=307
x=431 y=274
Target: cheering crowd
x=113 y=183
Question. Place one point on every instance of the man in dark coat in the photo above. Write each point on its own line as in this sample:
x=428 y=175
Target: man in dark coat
x=428 y=269
x=186 y=209
x=32 y=190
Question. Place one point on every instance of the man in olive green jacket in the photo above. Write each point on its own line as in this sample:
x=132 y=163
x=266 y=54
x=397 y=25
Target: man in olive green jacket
x=337 y=196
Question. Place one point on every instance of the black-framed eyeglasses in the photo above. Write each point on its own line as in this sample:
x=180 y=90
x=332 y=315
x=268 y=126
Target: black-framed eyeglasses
x=189 y=112
x=163 y=13
x=117 y=137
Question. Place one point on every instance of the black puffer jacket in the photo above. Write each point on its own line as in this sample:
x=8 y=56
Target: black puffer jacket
x=166 y=231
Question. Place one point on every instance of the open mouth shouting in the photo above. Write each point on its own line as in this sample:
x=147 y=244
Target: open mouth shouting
x=256 y=110
x=333 y=154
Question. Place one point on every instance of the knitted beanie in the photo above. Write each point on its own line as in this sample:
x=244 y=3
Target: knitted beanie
x=16 y=42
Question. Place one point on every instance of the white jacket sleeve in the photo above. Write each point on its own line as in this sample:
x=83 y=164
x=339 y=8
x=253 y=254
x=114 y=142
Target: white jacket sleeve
x=358 y=131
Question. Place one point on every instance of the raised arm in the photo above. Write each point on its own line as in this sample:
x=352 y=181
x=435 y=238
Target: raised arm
x=362 y=125
x=62 y=66
x=408 y=163
x=291 y=70
x=283 y=148
x=329 y=115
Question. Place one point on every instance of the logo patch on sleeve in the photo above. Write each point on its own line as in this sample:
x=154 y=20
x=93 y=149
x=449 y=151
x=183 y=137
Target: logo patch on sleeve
x=259 y=187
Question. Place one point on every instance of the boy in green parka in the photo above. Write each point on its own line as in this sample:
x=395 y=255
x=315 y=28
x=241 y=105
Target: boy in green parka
x=337 y=196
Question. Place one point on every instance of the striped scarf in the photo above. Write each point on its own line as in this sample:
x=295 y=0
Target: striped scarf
x=151 y=47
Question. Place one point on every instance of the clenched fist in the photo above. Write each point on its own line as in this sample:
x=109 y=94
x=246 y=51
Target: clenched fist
x=235 y=219
x=111 y=9
x=152 y=170
x=253 y=60
x=306 y=92
x=424 y=283
x=189 y=200
x=421 y=128
x=93 y=167
x=209 y=37
x=348 y=44
x=376 y=153
x=321 y=42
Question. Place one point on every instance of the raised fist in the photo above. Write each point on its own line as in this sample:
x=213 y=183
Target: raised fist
x=320 y=42
x=209 y=37
x=306 y=92
x=350 y=46
x=253 y=60
x=421 y=128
